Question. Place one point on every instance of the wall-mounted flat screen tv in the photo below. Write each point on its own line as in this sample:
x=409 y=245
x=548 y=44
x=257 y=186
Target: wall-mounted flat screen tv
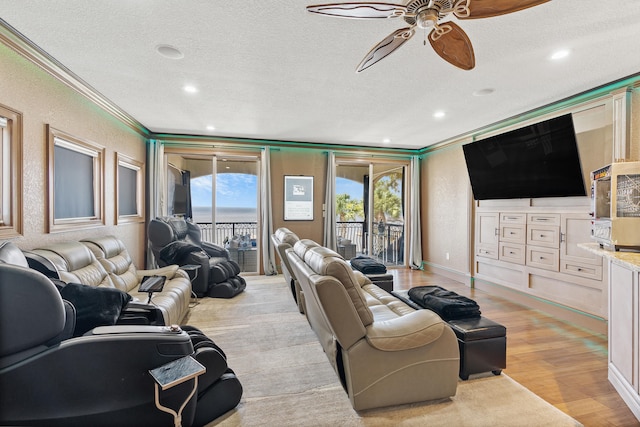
x=540 y=160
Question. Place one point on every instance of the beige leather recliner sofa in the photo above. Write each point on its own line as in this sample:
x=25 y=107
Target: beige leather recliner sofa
x=282 y=240
x=104 y=261
x=385 y=352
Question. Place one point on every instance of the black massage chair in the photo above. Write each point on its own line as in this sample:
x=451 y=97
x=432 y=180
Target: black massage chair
x=177 y=241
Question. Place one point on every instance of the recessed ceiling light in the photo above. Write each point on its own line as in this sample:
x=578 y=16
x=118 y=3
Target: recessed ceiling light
x=210 y=127
x=439 y=114
x=169 y=51
x=483 y=92
x=559 y=54
x=190 y=89
x=386 y=141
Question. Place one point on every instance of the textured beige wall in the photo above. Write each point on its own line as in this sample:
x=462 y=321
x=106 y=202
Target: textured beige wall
x=43 y=100
x=299 y=161
x=446 y=206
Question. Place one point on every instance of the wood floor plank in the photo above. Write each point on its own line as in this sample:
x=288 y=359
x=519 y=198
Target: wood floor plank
x=564 y=364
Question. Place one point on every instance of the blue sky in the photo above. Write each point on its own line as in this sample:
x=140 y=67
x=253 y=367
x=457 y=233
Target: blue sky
x=234 y=190
x=352 y=188
x=237 y=190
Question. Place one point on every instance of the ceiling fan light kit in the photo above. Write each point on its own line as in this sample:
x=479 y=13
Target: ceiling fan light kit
x=447 y=39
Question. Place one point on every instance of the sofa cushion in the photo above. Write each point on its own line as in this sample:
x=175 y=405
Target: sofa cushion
x=115 y=259
x=326 y=262
x=74 y=262
x=302 y=246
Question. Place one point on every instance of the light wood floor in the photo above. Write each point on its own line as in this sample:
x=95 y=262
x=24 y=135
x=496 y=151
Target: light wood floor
x=563 y=364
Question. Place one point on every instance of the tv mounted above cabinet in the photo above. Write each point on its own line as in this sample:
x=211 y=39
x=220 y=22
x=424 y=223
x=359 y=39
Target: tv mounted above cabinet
x=540 y=160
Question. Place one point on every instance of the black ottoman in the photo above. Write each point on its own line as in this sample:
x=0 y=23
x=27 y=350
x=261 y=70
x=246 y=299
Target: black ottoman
x=384 y=281
x=483 y=345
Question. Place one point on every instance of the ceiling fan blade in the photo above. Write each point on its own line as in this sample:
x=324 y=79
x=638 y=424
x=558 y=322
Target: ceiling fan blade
x=385 y=47
x=363 y=10
x=489 y=8
x=453 y=45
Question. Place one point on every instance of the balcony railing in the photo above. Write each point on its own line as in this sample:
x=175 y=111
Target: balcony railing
x=225 y=231
x=387 y=240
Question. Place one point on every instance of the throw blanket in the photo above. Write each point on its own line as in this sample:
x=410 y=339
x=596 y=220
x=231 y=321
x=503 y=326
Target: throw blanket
x=368 y=265
x=447 y=304
x=175 y=252
x=95 y=306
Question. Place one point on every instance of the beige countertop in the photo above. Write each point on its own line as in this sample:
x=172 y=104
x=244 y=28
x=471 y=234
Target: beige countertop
x=626 y=259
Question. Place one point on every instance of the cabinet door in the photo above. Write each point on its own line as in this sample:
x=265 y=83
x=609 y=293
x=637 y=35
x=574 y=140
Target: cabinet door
x=487 y=234
x=576 y=228
x=623 y=343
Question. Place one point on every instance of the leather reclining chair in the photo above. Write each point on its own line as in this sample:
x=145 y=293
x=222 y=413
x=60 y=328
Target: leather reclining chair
x=50 y=378
x=176 y=241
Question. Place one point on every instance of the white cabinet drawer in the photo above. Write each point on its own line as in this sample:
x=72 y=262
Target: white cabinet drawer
x=512 y=252
x=513 y=218
x=546 y=258
x=543 y=219
x=583 y=270
x=543 y=235
x=513 y=233
x=487 y=252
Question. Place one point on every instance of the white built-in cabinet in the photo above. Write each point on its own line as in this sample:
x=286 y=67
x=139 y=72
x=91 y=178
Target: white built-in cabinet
x=624 y=335
x=537 y=253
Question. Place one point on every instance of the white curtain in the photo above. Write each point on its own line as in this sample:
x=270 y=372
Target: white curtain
x=155 y=187
x=268 y=251
x=330 y=204
x=415 y=238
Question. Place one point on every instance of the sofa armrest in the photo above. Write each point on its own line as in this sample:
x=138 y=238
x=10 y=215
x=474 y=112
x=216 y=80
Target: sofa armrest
x=169 y=272
x=406 y=332
x=138 y=313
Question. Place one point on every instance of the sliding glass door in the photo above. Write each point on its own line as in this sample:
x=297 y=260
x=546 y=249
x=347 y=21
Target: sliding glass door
x=370 y=210
x=219 y=193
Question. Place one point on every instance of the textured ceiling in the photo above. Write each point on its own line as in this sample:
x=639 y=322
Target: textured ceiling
x=271 y=70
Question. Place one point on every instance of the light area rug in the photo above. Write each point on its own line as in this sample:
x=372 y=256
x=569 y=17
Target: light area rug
x=288 y=380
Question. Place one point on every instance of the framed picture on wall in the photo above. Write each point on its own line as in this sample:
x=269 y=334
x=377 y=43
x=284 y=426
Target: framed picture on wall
x=298 y=198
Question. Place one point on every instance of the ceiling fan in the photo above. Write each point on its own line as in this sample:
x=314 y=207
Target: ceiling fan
x=447 y=38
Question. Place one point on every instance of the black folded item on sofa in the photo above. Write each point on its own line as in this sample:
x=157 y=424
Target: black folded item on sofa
x=368 y=265
x=447 y=304
x=95 y=305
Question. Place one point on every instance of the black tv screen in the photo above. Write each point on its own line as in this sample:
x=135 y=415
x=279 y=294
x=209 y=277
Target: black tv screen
x=540 y=160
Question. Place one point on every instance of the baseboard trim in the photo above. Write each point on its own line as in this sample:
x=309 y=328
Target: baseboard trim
x=579 y=318
x=458 y=276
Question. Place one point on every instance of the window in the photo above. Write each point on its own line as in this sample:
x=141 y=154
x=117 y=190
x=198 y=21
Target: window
x=129 y=187
x=10 y=173
x=75 y=182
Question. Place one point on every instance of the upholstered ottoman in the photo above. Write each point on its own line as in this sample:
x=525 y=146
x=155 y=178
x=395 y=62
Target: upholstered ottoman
x=483 y=345
x=384 y=281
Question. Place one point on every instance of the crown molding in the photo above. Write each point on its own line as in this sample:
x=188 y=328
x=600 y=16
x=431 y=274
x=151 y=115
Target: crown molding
x=16 y=41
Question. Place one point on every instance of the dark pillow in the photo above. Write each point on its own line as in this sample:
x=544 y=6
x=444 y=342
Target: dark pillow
x=95 y=306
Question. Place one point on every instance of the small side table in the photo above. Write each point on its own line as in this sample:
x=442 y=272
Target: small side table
x=192 y=270
x=174 y=373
